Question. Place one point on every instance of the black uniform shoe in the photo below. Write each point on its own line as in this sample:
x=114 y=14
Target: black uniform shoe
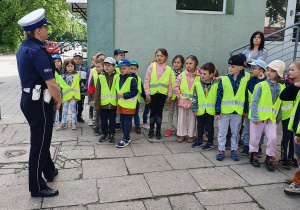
x=54 y=175
x=254 y=159
x=111 y=138
x=269 y=163
x=158 y=134
x=151 y=134
x=80 y=120
x=45 y=193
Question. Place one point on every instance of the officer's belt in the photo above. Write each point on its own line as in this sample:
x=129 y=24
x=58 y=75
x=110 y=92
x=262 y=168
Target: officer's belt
x=29 y=90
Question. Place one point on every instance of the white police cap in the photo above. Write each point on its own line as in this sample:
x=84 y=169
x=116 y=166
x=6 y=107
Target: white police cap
x=33 y=20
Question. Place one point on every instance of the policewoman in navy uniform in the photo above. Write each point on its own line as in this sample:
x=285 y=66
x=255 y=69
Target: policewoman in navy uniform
x=40 y=94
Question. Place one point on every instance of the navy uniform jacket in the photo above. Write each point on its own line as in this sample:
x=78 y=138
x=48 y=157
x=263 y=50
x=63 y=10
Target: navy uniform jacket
x=35 y=64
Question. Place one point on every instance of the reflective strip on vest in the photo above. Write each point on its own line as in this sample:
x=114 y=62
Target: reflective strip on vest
x=286 y=107
x=187 y=95
x=238 y=103
x=267 y=109
x=109 y=96
x=159 y=85
x=206 y=105
x=130 y=99
x=70 y=90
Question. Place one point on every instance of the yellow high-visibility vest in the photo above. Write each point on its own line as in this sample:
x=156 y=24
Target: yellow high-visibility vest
x=206 y=103
x=161 y=85
x=126 y=103
x=184 y=88
x=69 y=92
x=286 y=108
x=108 y=96
x=292 y=118
x=173 y=82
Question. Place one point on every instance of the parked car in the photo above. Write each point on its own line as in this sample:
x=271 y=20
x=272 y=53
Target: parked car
x=54 y=48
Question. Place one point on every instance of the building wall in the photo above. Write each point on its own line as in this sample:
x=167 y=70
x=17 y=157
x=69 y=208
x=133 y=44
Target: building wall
x=141 y=27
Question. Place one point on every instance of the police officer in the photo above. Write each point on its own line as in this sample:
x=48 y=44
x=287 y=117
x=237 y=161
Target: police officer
x=36 y=70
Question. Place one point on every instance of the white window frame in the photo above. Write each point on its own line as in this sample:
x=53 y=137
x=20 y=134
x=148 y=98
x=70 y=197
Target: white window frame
x=206 y=12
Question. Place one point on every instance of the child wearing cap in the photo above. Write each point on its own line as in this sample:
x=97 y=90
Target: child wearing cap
x=265 y=112
x=134 y=67
x=291 y=93
x=257 y=69
x=231 y=104
x=106 y=100
x=82 y=71
x=92 y=86
x=127 y=93
x=119 y=54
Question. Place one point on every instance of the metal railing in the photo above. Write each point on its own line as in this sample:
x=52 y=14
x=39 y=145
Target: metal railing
x=280 y=45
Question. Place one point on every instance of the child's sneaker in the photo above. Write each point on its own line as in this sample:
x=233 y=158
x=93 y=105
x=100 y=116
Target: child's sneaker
x=74 y=126
x=191 y=139
x=245 y=150
x=158 y=134
x=204 y=137
x=285 y=163
x=118 y=126
x=181 y=139
x=269 y=163
x=138 y=130
x=234 y=155
x=122 y=143
x=259 y=154
x=102 y=138
x=208 y=146
x=289 y=180
x=293 y=162
x=146 y=126
x=220 y=156
x=197 y=143
x=151 y=134
x=254 y=159
x=292 y=190
x=168 y=133
x=96 y=132
x=61 y=127
x=111 y=138
x=90 y=122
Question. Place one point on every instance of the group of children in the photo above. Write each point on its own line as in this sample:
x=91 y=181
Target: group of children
x=198 y=95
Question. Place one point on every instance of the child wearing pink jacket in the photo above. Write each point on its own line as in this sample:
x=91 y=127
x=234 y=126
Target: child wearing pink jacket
x=184 y=86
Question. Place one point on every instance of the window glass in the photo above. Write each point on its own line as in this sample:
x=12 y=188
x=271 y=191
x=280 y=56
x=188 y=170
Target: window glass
x=275 y=19
x=201 y=5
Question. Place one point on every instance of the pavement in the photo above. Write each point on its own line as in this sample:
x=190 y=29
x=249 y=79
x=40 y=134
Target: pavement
x=147 y=174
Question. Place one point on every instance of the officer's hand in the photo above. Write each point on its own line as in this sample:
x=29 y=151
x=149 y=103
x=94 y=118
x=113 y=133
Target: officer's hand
x=297 y=140
x=168 y=100
x=120 y=95
x=148 y=98
x=58 y=104
x=297 y=84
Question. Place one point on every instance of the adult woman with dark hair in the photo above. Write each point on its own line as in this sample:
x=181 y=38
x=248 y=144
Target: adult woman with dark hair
x=256 y=50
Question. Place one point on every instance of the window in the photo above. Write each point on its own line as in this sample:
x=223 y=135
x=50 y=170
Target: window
x=201 y=6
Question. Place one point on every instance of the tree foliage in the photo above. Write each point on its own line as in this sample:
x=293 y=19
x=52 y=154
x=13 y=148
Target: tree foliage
x=57 y=12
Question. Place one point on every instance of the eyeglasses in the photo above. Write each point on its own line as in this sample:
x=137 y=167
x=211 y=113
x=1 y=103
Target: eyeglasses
x=257 y=68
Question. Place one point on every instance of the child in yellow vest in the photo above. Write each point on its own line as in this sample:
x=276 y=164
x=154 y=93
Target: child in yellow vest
x=127 y=92
x=99 y=65
x=178 y=63
x=266 y=113
x=106 y=100
x=184 y=87
x=203 y=104
x=231 y=104
x=69 y=83
x=158 y=87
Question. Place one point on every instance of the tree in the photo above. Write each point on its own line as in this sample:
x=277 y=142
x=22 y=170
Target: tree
x=11 y=34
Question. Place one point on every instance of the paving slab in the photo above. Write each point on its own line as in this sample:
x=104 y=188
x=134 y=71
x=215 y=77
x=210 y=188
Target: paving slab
x=18 y=197
x=13 y=179
x=147 y=164
x=6 y=136
x=211 y=155
x=188 y=160
x=72 y=163
x=185 y=202
x=239 y=206
x=79 y=152
x=64 y=139
x=157 y=204
x=66 y=132
x=214 y=198
x=71 y=208
x=288 y=172
x=9 y=121
x=261 y=175
x=135 y=205
x=7 y=171
x=183 y=147
x=171 y=182
x=79 y=192
x=69 y=174
x=273 y=197
x=111 y=151
x=210 y=178
x=2 y=127
x=19 y=137
x=102 y=168
x=149 y=149
x=123 y=188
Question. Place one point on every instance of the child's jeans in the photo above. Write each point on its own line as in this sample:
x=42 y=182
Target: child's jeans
x=66 y=104
x=256 y=131
x=235 y=121
x=136 y=116
x=145 y=113
x=126 y=121
x=108 y=115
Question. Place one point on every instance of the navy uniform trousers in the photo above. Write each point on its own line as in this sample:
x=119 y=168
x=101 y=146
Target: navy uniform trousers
x=40 y=118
